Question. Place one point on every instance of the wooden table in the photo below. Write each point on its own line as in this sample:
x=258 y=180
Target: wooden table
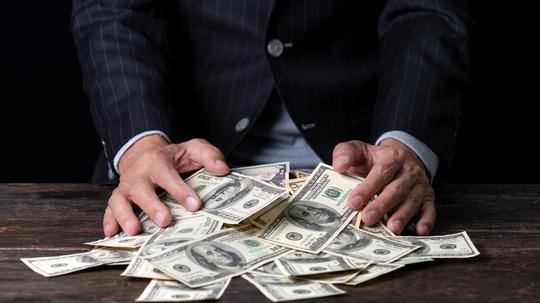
x=502 y=220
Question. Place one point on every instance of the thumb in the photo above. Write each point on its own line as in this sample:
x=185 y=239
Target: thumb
x=208 y=156
x=348 y=154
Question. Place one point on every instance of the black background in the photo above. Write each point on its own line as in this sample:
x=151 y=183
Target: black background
x=47 y=133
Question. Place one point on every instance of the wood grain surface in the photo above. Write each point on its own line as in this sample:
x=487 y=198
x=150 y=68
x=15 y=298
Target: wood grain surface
x=502 y=220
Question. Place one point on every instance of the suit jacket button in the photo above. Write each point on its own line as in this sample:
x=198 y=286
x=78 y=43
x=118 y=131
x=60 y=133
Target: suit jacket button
x=275 y=48
x=242 y=125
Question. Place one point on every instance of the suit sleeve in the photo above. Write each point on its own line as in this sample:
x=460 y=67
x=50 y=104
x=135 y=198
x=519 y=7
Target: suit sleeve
x=425 y=61
x=122 y=47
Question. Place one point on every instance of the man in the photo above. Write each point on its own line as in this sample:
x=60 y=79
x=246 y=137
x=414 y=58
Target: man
x=269 y=81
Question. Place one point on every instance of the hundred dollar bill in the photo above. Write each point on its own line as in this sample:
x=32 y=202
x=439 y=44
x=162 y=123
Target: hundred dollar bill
x=273 y=173
x=302 y=264
x=363 y=246
x=411 y=260
x=147 y=227
x=268 y=216
x=287 y=289
x=373 y=272
x=335 y=278
x=61 y=265
x=316 y=213
x=123 y=240
x=234 y=197
x=301 y=174
x=294 y=185
x=182 y=230
x=173 y=291
x=269 y=269
x=446 y=246
x=379 y=229
x=216 y=257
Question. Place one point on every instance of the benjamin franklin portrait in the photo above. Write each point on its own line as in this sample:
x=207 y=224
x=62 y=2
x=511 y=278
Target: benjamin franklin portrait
x=216 y=256
x=313 y=216
x=103 y=256
x=227 y=194
x=349 y=239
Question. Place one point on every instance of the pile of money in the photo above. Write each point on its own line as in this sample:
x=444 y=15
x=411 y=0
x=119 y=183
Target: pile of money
x=292 y=238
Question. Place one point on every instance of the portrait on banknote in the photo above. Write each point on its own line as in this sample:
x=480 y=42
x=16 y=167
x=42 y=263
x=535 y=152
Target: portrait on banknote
x=349 y=239
x=216 y=256
x=227 y=194
x=312 y=215
x=102 y=256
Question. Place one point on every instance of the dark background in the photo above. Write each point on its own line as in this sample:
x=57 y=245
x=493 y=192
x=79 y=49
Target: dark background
x=47 y=133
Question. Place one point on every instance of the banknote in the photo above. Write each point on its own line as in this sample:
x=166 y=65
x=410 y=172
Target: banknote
x=259 y=218
x=271 y=214
x=61 y=265
x=234 y=197
x=279 y=289
x=182 y=230
x=294 y=185
x=174 y=291
x=123 y=240
x=274 y=173
x=301 y=174
x=364 y=246
x=411 y=260
x=446 y=246
x=269 y=269
x=372 y=272
x=316 y=214
x=378 y=229
x=216 y=257
x=335 y=278
x=147 y=227
x=302 y=264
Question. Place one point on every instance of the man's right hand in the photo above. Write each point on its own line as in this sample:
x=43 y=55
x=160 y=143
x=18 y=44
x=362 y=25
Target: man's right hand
x=150 y=163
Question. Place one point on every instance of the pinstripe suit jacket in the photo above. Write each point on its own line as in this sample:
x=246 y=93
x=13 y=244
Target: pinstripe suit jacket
x=348 y=70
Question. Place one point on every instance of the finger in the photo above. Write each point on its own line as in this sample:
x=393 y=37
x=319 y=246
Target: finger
x=393 y=194
x=144 y=195
x=427 y=217
x=171 y=181
x=123 y=212
x=407 y=209
x=208 y=156
x=378 y=178
x=110 y=226
x=347 y=154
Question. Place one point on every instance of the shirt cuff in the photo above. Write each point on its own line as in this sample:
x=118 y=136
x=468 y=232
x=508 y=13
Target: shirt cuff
x=428 y=157
x=132 y=141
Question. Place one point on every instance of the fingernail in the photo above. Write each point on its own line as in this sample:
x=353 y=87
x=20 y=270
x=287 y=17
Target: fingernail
x=108 y=230
x=192 y=203
x=341 y=160
x=355 y=202
x=372 y=216
x=396 y=225
x=220 y=163
x=160 y=218
x=423 y=230
x=131 y=227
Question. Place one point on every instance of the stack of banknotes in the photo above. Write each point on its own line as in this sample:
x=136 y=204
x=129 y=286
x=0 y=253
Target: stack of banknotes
x=292 y=238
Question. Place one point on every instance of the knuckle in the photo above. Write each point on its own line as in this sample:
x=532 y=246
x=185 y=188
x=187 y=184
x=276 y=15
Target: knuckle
x=387 y=172
x=400 y=189
x=197 y=141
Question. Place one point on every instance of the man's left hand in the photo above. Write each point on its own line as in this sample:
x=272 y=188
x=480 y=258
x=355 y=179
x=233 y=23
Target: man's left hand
x=394 y=172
